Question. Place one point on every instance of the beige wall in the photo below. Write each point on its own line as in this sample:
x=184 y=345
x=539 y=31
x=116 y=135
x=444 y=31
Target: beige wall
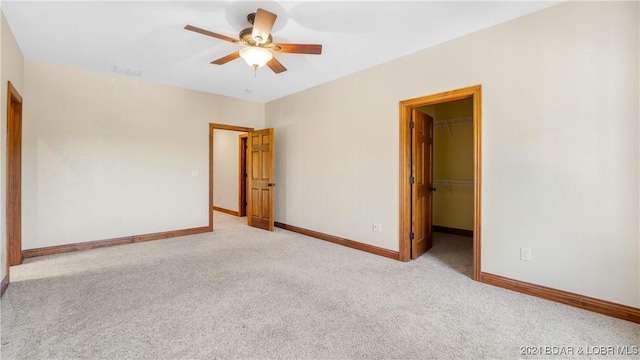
x=560 y=146
x=11 y=69
x=108 y=156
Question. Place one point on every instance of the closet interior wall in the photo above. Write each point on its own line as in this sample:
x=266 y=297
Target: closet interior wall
x=453 y=163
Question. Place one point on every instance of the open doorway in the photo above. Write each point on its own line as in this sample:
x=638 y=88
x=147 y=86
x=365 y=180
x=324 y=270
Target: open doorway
x=452 y=183
x=249 y=188
x=420 y=122
x=229 y=139
x=228 y=171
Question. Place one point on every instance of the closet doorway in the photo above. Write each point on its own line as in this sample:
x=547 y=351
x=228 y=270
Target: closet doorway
x=440 y=181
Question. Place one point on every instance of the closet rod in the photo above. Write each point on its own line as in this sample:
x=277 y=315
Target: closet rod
x=463 y=120
x=454 y=181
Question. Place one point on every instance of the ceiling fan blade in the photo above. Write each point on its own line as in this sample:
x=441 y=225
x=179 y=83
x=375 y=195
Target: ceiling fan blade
x=262 y=25
x=276 y=66
x=225 y=59
x=210 y=33
x=298 y=48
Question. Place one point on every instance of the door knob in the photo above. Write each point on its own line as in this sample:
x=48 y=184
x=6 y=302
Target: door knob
x=431 y=188
x=271 y=184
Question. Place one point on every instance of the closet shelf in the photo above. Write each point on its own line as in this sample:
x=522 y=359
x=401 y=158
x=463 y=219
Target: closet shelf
x=450 y=182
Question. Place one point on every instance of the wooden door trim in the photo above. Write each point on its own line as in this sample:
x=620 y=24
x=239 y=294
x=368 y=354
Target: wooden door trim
x=226 y=211
x=229 y=127
x=13 y=246
x=96 y=244
x=405 y=167
x=564 y=297
x=212 y=127
x=13 y=92
x=340 y=241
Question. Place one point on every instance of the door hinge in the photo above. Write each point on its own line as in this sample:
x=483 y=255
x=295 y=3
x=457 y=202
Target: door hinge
x=411 y=235
x=412 y=125
x=412 y=180
x=245 y=203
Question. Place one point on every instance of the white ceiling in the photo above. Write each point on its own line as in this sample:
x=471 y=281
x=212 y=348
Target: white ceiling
x=148 y=36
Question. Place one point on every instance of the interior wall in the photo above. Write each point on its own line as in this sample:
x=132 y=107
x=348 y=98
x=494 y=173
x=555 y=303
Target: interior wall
x=453 y=160
x=11 y=69
x=560 y=156
x=225 y=169
x=107 y=156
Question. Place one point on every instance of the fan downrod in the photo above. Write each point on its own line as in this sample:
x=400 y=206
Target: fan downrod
x=251 y=18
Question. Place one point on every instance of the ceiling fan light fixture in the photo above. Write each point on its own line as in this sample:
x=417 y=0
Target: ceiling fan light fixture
x=256 y=56
x=257 y=43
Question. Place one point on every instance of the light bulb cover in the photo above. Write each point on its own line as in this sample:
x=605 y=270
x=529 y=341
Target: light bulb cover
x=256 y=56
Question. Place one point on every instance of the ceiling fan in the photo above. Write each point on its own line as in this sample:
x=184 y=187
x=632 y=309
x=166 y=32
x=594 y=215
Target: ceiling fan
x=258 y=43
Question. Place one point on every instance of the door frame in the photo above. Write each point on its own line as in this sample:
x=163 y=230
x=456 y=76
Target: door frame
x=212 y=127
x=405 y=167
x=14 y=178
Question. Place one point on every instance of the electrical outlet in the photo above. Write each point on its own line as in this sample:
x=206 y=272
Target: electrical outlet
x=525 y=254
x=377 y=227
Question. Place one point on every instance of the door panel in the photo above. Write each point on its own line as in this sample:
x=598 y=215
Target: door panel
x=422 y=196
x=260 y=179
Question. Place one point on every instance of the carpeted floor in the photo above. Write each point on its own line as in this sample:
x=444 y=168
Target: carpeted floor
x=245 y=293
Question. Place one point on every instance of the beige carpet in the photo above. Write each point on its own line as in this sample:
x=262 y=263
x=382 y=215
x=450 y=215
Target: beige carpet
x=246 y=293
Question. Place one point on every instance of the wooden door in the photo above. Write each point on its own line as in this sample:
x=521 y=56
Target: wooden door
x=260 y=181
x=422 y=189
x=14 y=177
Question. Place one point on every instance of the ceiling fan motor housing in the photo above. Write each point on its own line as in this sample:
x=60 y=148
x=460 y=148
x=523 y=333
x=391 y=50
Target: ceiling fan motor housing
x=247 y=39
